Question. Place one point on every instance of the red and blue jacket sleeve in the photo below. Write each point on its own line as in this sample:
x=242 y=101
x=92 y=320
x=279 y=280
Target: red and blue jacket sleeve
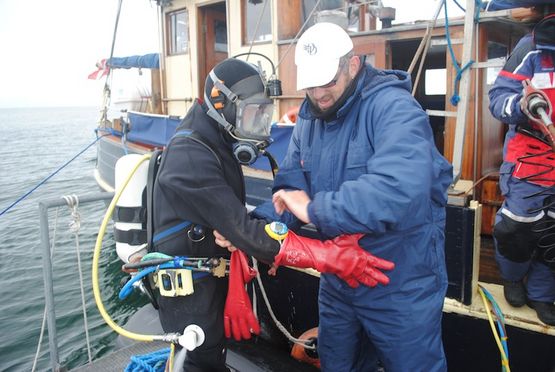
x=506 y=92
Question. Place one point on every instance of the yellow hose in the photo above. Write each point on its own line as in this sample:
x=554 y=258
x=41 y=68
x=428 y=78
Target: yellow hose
x=96 y=258
x=170 y=358
x=504 y=359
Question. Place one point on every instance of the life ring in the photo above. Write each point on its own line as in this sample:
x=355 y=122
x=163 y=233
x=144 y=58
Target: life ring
x=290 y=116
x=309 y=356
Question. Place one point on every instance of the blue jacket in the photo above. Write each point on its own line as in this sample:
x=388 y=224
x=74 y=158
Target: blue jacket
x=375 y=169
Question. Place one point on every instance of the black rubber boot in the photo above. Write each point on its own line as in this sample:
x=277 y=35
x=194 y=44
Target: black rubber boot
x=515 y=293
x=545 y=311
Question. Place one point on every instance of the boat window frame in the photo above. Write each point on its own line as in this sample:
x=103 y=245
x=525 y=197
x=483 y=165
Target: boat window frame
x=171 y=21
x=362 y=24
x=245 y=24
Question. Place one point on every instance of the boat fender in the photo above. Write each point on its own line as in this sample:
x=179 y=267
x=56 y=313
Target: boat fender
x=305 y=355
x=130 y=214
x=290 y=117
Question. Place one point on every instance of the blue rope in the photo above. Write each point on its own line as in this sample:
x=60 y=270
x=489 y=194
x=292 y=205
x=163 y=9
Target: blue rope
x=455 y=98
x=47 y=178
x=153 y=362
x=459 y=5
x=108 y=131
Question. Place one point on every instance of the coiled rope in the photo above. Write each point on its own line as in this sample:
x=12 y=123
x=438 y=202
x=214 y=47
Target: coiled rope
x=152 y=362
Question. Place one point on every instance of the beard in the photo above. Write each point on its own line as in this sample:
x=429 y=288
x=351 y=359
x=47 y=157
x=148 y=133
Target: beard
x=330 y=113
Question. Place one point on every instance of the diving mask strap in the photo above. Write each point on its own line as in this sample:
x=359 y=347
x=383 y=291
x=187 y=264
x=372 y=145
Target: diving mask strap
x=223 y=88
x=214 y=114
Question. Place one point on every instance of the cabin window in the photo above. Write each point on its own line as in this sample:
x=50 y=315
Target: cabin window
x=179 y=32
x=324 y=5
x=352 y=16
x=497 y=56
x=258 y=21
x=220 y=36
x=435 y=80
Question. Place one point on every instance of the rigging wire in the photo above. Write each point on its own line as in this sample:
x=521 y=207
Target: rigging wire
x=258 y=22
x=309 y=17
x=298 y=33
x=106 y=92
x=49 y=177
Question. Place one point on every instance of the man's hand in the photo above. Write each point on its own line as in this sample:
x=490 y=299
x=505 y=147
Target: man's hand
x=223 y=242
x=239 y=319
x=295 y=201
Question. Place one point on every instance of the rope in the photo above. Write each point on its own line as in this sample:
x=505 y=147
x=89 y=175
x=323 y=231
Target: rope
x=455 y=98
x=74 y=226
x=280 y=326
x=459 y=5
x=43 y=326
x=47 y=178
x=152 y=362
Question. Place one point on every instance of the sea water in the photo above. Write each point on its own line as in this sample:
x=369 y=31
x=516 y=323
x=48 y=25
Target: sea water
x=35 y=144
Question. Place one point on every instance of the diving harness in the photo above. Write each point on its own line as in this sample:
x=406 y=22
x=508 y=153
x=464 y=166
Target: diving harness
x=192 y=335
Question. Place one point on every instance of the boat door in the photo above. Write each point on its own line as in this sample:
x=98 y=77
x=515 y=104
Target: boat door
x=212 y=41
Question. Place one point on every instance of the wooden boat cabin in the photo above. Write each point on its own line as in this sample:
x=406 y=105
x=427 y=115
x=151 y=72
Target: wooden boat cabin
x=199 y=34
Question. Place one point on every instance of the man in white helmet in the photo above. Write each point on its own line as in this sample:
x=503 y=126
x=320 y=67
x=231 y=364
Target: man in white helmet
x=362 y=160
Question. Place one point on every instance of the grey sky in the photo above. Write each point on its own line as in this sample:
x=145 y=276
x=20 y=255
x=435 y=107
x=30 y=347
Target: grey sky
x=50 y=47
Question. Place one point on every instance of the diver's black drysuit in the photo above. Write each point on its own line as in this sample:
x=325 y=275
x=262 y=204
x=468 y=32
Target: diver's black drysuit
x=192 y=186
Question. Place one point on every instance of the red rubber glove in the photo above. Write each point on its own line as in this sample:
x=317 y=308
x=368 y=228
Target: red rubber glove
x=341 y=256
x=239 y=319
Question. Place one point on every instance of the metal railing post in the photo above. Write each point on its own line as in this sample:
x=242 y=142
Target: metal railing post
x=48 y=286
x=47 y=267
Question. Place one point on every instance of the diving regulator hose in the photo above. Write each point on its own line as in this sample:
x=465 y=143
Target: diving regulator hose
x=170 y=337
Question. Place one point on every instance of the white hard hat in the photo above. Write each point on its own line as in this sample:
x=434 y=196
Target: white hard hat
x=318 y=52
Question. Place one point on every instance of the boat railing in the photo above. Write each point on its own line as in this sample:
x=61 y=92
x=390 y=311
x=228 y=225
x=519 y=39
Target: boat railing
x=44 y=207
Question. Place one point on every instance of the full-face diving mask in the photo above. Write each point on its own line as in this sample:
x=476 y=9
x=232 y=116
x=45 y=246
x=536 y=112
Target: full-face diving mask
x=253 y=114
x=254 y=117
